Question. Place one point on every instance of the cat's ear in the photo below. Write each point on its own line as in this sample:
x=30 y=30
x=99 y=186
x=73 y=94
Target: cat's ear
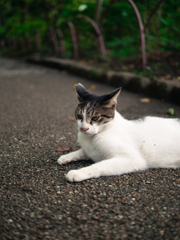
x=81 y=92
x=111 y=98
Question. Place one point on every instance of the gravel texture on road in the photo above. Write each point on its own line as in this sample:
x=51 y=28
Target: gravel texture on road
x=36 y=110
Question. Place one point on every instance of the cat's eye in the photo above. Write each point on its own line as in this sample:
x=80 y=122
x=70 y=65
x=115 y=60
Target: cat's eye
x=79 y=116
x=95 y=118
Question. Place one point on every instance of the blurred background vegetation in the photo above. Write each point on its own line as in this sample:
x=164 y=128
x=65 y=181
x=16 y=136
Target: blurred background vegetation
x=22 y=20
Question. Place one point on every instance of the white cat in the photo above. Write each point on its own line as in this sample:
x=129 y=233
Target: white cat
x=117 y=145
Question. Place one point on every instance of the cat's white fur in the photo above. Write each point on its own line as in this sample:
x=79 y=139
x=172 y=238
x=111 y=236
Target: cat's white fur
x=123 y=146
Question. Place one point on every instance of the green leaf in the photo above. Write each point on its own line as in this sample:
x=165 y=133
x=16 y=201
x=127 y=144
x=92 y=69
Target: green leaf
x=171 y=111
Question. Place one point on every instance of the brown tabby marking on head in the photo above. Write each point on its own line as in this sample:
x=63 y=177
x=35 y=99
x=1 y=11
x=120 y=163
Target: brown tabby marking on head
x=92 y=109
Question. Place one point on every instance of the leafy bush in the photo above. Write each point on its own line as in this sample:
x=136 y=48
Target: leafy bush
x=118 y=22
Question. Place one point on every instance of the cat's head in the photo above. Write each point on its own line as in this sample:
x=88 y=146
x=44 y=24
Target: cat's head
x=94 y=112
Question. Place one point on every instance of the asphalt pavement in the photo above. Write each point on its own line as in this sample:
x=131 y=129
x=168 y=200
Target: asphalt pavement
x=36 y=202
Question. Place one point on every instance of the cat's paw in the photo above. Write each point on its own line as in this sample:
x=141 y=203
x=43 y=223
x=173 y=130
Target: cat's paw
x=75 y=176
x=64 y=159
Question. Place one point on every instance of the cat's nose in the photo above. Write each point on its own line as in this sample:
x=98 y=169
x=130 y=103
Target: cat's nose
x=84 y=129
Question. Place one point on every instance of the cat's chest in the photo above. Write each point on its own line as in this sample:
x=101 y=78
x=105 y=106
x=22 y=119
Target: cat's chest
x=92 y=147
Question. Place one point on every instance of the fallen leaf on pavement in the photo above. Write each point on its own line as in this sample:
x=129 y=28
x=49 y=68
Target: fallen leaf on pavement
x=63 y=149
x=177 y=79
x=72 y=119
x=145 y=100
x=75 y=85
x=166 y=77
x=93 y=87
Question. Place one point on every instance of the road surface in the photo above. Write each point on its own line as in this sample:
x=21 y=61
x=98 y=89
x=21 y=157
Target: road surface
x=36 y=110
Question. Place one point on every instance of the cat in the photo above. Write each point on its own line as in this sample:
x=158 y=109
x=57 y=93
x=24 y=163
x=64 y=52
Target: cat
x=117 y=145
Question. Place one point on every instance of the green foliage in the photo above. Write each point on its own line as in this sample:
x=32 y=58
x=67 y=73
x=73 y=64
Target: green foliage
x=123 y=47
x=18 y=29
x=118 y=22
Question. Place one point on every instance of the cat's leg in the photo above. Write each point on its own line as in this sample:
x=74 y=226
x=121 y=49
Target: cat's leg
x=113 y=166
x=73 y=156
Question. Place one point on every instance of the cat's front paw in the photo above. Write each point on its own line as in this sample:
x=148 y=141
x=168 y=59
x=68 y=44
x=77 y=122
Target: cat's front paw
x=64 y=159
x=75 y=176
